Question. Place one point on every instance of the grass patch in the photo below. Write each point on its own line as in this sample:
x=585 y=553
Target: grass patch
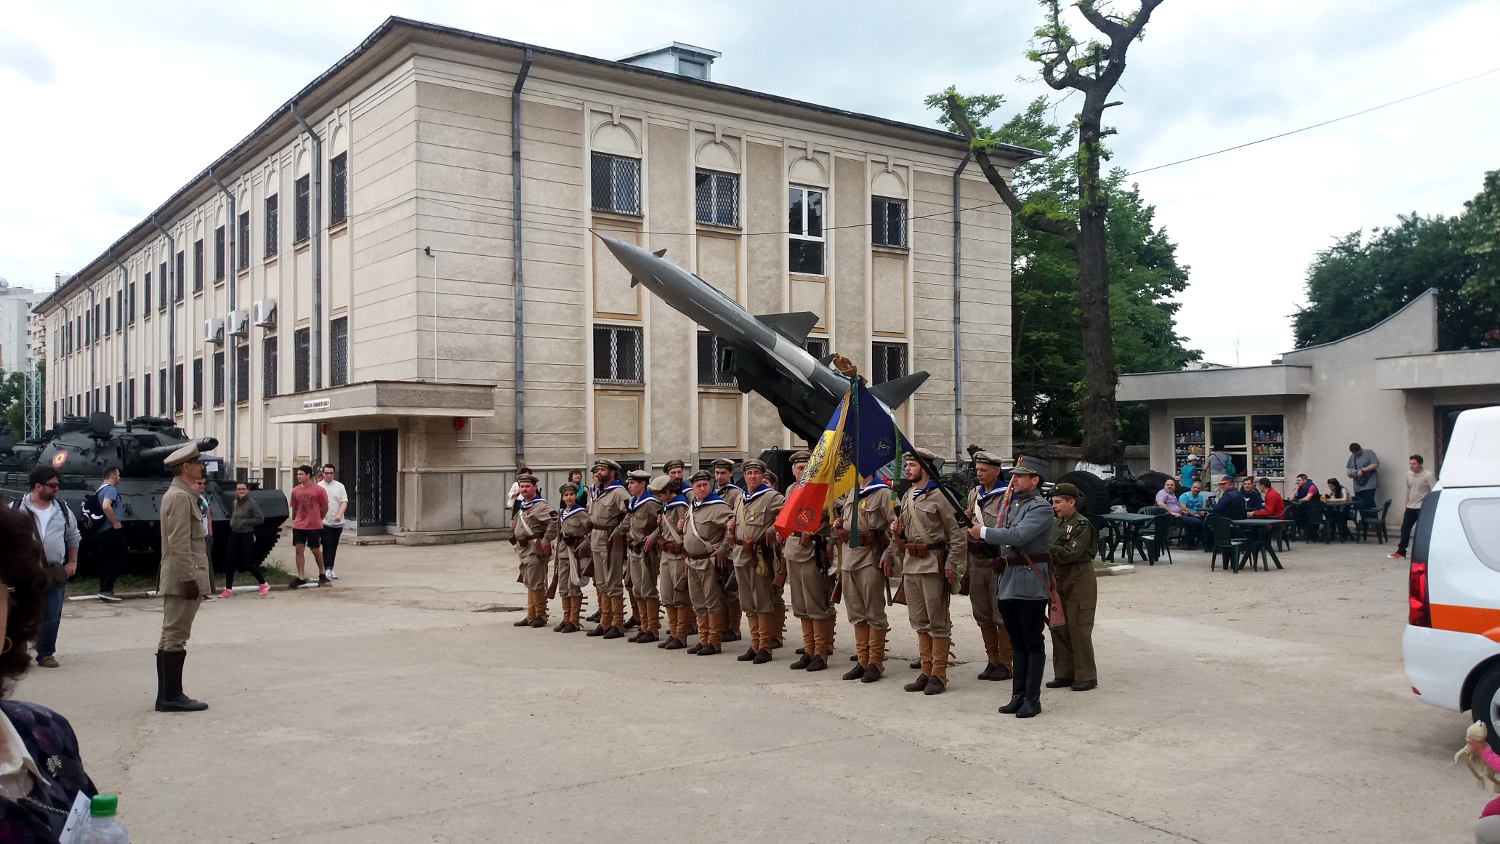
x=146 y=583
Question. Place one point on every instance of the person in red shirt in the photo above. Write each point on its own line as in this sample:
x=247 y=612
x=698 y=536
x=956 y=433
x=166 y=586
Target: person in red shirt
x=309 y=505
x=1275 y=505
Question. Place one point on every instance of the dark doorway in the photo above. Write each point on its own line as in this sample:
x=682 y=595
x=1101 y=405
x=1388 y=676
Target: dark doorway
x=368 y=461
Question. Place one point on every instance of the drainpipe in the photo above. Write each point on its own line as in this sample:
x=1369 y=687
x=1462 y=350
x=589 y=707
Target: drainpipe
x=125 y=333
x=317 y=261
x=171 y=320
x=517 y=290
x=958 y=295
x=231 y=366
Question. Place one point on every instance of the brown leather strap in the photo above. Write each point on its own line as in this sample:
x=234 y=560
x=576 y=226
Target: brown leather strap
x=700 y=556
x=672 y=547
x=916 y=549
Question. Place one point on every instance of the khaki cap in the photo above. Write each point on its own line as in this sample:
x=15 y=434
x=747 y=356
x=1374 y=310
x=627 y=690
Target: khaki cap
x=527 y=478
x=801 y=456
x=723 y=463
x=987 y=459
x=639 y=475
x=674 y=463
x=701 y=475
x=606 y=463
x=661 y=483
x=752 y=463
x=186 y=454
x=1066 y=491
x=918 y=451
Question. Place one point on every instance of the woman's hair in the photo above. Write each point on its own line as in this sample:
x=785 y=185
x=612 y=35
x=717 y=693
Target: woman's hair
x=1334 y=485
x=20 y=569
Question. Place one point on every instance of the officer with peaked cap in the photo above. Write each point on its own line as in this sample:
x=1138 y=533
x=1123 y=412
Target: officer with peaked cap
x=1073 y=545
x=984 y=508
x=183 y=579
x=1023 y=539
x=608 y=500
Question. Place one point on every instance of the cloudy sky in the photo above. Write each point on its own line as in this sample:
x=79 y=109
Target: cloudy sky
x=113 y=106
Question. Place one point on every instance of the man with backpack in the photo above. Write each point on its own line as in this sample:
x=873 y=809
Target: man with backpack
x=113 y=550
x=58 y=530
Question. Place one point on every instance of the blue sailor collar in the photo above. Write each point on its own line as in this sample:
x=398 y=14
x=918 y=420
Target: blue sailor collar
x=918 y=493
x=729 y=485
x=676 y=501
x=761 y=490
x=713 y=498
x=572 y=511
x=986 y=496
x=598 y=490
x=640 y=500
x=874 y=485
x=532 y=503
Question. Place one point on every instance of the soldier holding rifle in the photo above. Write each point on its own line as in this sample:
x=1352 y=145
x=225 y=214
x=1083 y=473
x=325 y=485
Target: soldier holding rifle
x=929 y=544
x=704 y=529
x=529 y=534
x=730 y=494
x=864 y=575
x=754 y=536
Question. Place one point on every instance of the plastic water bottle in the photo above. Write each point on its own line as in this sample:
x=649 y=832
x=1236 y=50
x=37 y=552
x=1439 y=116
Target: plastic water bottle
x=102 y=828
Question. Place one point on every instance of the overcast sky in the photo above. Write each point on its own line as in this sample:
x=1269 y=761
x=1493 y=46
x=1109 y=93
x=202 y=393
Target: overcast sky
x=110 y=107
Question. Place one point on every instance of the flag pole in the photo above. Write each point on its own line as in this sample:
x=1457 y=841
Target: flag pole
x=854 y=410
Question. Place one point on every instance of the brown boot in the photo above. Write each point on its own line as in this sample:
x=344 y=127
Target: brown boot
x=702 y=635
x=924 y=646
x=809 y=640
x=729 y=630
x=821 y=633
x=875 y=652
x=939 y=670
x=650 y=621
x=530 y=610
x=615 y=613
x=712 y=626
x=754 y=623
x=539 y=615
x=776 y=632
x=861 y=652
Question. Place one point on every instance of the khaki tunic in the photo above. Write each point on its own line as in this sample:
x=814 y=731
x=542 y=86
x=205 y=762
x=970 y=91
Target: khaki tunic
x=1072 y=547
x=755 y=567
x=606 y=511
x=568 y=534
x=702 y=536
x=532 y=525
x=672 y=563
x=641 y=522
x=927 y=518
x=731 y=495
x=864 y=580
x=184 y=558
x=808 y=576
x=983 y=578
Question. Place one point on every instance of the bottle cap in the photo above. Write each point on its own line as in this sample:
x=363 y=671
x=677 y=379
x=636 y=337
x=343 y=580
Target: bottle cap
x=104 y=805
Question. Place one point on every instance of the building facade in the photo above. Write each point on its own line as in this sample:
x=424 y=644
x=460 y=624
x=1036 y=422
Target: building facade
x=15 y=326
x=342 y=285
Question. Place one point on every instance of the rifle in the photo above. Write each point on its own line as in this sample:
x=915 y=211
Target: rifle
x=552 y=587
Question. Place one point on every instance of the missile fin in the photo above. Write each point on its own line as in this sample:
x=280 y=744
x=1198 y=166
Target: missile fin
x=893 y=394
x=827 y=359
x=660 y=253
x=794 y=327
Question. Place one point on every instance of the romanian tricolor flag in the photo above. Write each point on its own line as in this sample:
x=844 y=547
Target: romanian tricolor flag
x=829 y=474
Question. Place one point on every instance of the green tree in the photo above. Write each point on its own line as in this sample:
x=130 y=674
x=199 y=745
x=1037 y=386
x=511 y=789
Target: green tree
x=1360 y=280
x=13 y=402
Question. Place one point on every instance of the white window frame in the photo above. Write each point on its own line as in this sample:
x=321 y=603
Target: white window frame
x=823 y=238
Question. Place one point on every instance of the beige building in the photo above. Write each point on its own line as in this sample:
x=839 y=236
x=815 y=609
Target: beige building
x=349 y=293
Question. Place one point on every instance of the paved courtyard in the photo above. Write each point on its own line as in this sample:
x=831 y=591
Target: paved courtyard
x=1263 y=706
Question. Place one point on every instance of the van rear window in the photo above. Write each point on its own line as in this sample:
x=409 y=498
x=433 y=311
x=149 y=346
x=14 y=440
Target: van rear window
x=1481 y=520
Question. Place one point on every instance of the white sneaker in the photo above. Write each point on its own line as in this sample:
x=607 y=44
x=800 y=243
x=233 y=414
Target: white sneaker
x=331 y=574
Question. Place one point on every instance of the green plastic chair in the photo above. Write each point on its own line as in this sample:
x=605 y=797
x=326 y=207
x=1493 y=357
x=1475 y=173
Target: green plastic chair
x=1226 y=543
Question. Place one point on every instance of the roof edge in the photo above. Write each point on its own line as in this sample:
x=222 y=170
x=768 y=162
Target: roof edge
x=1431 y=291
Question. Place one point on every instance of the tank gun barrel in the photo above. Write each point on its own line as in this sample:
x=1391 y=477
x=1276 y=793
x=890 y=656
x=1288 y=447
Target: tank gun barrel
x=162 y=452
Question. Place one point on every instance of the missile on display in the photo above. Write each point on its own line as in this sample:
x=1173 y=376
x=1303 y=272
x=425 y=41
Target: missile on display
x=767 y=351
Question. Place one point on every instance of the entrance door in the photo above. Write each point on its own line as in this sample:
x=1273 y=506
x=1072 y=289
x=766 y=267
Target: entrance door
x=372 y=495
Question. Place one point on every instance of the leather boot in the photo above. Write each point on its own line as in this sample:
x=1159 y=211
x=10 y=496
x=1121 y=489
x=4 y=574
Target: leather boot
x=602 y=616
x=1017 y=685
x=530 y=610
x=875 y=653
x=822 y=631
x=991 y=651
x=702 y=627
x=650 y=622
x=712 y=626
x=753 y=622
x=540 y=620
x=671 y=627
x=169 y=696
x=939 y=668
x=636 y=612
x=924 y=645
x=861 y=650
x=616 y=618
x=807 y=650
x=765 y=625
x=729 y=629
x=1036 y=664
x=599 y=608
x=776 y=634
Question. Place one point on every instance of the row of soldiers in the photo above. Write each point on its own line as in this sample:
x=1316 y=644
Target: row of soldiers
x=705 y=552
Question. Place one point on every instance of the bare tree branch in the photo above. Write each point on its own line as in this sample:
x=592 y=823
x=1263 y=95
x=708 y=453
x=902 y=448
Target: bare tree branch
x=1032 y=218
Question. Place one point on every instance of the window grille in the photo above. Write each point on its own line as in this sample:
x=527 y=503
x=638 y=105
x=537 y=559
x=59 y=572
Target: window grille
x=181 y=271
x=197 y=383
x=272 y=234
x=161 y=392
x=242 y=372
x=888 y=222
x=218 y=379
x=302 y=360
x=616 y=183
x=95 y=328
x=108 y=313
x=119 y=398
x=302 y=213
x=197 y=266
x=816 y=346
x=617 y=354
x=338 y=352
x=268 y=370
x=889 y=362
x=805 y=238
x=119 y=310
x=715 y=361
x=177 y=387
x=718 y=198
x=242 y=238
x=338 y=189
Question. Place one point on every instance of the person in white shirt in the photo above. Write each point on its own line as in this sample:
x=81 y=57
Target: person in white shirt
x=58 y=530
x=1419 y=482
x=333 y=522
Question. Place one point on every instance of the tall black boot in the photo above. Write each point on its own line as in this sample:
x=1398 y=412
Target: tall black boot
x=1036 y=664
x=171 y=698
x=1017 y=684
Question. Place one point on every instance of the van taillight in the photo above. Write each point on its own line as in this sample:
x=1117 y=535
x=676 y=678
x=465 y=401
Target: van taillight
x=1419 y=613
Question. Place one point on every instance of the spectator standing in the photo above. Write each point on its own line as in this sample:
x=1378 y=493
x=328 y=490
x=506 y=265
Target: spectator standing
x=113 y=549
x=1167 y=499
x=1219 y=465
x=1189 y=470
x=1273 y=506
x=1419 y=482
x=333 y=522
x=243 y=518
x=58 y=530
x=1364 y=468
x=309 y=505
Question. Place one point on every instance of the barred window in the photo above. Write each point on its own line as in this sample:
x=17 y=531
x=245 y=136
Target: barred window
x=338 y=189
x=302 y=360
x=220 y=259
x=161 y=392
x=805 y=239
x=181 y=272
x=338 y=352
x=197 y=265
x=268 y=367
x=272 y=233
x=218 y=379
x=197 y=383
x=888 y=222
x=119 y=398
x=146 y=295
x=715 y=361
x=617 y=354
x=616 y=183
x=889 y=362
x=718 y=198
x=120 y=310
x=108 y=313
x=816 y=346
x=243 y=238
x=242 y=372
x=302 y=212
x=94 y=331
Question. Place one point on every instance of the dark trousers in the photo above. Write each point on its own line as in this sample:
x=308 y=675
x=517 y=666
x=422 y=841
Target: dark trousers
x=1408 y=524
x=1366 y=499
x=241 y=557
x=331 y=544
x=1192 y=528
x=1026 y=622
x=52 y=604
x=114 y=554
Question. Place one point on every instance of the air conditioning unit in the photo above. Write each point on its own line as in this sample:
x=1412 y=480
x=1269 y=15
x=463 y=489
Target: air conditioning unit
x=213 y=331
x=239 y=323
x=263 y=313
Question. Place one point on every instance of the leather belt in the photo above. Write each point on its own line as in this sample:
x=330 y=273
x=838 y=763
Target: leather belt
x=1021 y=561
x=523 y=542
x=700 y=556
x=672 y=547
x=916 y=549
x=636 y=547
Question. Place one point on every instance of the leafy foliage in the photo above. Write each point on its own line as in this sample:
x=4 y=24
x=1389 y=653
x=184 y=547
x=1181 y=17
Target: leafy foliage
x=1359 y=280
x=13 y=400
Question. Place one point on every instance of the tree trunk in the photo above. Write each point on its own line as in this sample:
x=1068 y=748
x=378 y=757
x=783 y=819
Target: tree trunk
x=1098 y=406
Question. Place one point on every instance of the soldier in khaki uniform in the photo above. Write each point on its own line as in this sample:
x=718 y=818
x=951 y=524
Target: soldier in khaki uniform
x=929 y=545
x=568 y=534
x=864 y=574
x=725 y=488
x=532 y=525
x=674 y=469
x=672 y=584
x=704 y=529
x=183 y=578
x=641 y=561
x=1073 y=545
x=984 y=509
x=754 y=541
x=608 y=500
x=807 y=556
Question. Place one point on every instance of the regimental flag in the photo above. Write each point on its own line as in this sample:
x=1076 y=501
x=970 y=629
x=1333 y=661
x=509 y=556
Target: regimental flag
x=880 y=442
x=829 y=474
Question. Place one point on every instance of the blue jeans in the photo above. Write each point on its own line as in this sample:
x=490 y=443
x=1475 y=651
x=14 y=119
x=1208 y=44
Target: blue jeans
x=52 y=604
x=1192 y=528
x=1366 y=499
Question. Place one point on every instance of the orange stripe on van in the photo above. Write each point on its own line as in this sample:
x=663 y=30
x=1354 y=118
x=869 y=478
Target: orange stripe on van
x=1480 y=620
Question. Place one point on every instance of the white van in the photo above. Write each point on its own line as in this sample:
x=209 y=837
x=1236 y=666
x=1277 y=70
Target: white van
x=1452 y=640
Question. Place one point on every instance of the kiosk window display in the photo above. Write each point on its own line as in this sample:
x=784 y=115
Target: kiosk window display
x=1256 y=443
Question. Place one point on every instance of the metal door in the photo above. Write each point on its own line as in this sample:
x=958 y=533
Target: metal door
x=375 y=460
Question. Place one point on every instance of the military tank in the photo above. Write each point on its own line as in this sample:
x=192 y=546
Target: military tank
x=81 y=447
